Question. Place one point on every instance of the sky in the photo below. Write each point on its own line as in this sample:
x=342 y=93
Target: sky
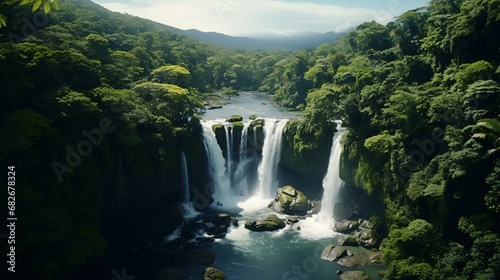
x=261 y=18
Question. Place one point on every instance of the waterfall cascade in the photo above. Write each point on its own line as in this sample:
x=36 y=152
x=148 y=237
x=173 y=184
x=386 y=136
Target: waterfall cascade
x=217 y=163
x=240 y=178
x=332 y=182
x=187 y=205
x=230 y=175
x=271 y=154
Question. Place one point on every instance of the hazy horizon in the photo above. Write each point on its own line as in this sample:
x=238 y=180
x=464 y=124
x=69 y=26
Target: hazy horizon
x=263 y=18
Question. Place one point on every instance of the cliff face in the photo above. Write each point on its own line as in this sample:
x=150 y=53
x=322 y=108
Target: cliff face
x=145 y=180
x=306 y=151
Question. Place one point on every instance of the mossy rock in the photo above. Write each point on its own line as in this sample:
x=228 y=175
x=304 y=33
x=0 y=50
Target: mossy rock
x=354 y=275
x=258 y=122
x=252 y=117
x=217 y=126
x=238 y=124
x=212 y=273
x=235 y=118
x=291 y=201
x=269 y=223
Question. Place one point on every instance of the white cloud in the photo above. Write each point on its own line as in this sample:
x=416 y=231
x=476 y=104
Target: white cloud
x=249 y=17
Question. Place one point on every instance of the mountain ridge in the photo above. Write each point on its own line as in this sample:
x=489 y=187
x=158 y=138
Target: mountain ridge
x=308 y=40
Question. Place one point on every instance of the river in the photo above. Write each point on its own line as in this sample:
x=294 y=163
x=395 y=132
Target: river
x=286 y=254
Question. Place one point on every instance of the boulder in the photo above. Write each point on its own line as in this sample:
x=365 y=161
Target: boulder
x=199 y=256
x=235 y=118
x=217 y=231
x=235 y=222
x=347 y=240
x=290 y=201
x=368 y=224
x=367 y=237
x=342 y=211
x=376 y=258
x=222 y=220
x=349 y=262
x=345 y=226
x=332 y=252
x=212 y=273
x=315 y=207
x=269 y=223
x=292 y=219
x=295 y=227
x=354 y=275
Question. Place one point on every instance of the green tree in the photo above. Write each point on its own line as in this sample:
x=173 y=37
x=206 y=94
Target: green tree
x=45 y=5
x=172 y=74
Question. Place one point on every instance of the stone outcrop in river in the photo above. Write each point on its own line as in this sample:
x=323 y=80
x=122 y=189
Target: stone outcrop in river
x=291 y=201
x=269 y=223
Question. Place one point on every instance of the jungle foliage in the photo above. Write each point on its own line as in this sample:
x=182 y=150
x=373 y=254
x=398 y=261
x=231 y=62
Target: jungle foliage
x=419 y=97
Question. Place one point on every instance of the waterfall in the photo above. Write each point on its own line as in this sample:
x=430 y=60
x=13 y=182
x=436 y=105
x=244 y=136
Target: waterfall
x=332 y=182
x=216 y=162
x=240 y=174
x=185 y=179
x=187 y=206
x=229 y=154
x=271 y=153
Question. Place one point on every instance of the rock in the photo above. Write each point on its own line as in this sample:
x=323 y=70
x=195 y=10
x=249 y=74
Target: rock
x=348 y=262
x=376 y=258
x=332 y=252
x=290 y=201
x=347 y=240
x=205 y=239
x=342 y=211
x=295 y=227
x=199 y=256
x=212 y=273
x=222 y=219
x=354 y=275
x=172 y=273
x=217 y=231
x=367 y=238
x=315 y=207
x=252 y=117
x=235 y=222
x=339 y=272
x=235 y=118
x=349 y=253
x=345 y=226
x=367 y=224
x=269 y=223
x=292 y=219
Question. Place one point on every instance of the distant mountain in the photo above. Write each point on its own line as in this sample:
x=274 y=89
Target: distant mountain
x=294 y=43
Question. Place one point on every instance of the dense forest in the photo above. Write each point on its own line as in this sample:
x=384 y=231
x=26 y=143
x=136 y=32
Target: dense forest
x=96 y=105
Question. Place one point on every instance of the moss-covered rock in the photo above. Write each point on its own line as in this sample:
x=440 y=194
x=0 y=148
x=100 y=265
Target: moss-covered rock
x=354 y=275
x=235 y=118
x=333 y=252
x=256 y=135
x=252 y=117
x=345 y=226
x=269 y=223
x=290 y=201
x=212 y=273
x=306 y=149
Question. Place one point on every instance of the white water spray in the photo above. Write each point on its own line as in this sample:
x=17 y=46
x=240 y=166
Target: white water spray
x=271 y=154
x=216 y=164
x=188 y=209
x=332 y=182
